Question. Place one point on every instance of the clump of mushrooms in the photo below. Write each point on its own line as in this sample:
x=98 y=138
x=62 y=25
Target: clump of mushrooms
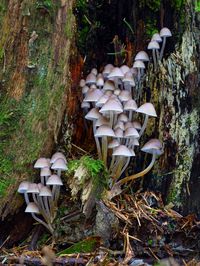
x=42 y=198
x=115 y=117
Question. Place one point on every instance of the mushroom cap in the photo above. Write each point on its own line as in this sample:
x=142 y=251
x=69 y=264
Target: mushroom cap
x=32 y=208
x=138 y=64
x=128 y=124
x=104 y=130
x=107 y=69
x=142 y=56
x=90 y=79
x=134 y=142
x=112 y=106
x=82 y=83
x=153 y=45
x=100 y=81
x=41 y=163
x=124 y=96
x=116 y=73
x=156 y=37
x=123 y=151
x=153 y=146
x=131 y=132
x=58 y=155
x=85 y=89
x=93 y=95
x=128 y=78
x=124 y=69
x=130 y=105
x=109 y=85
x=122 y=117
x=54 y=180
x=136 y=125
x=117 y=92
x=113 y=144
x=85 y=105
x=119 y=133
x=104 y=98
x=23 y=187
x=45 y=171
x=120 y=125
x=33 y=188
x=165 y=32
x=94 y=71
x=102 y=121
x=93 y=114
x=59 y=164
x=45 y=192
x=147 y=109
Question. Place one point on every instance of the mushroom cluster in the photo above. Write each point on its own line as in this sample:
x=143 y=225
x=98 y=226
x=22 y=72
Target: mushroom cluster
x=108 y=101
x=155 y=42
x=42 y=198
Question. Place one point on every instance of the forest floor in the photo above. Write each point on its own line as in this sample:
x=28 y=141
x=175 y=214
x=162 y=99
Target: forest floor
x=148 y=233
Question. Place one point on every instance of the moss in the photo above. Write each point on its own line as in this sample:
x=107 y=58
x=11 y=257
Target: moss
x=197 y=6
x=95 y=168
x=70 y=22
x=150 y=27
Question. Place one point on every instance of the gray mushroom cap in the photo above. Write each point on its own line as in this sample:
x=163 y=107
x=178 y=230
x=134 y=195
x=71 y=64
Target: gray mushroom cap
x=32 y=208
x=153 y=146
x=59 y=164
x=54 y=180
x=23 y=187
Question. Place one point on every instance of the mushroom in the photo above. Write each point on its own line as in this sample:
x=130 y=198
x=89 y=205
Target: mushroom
x=57 y=155
x=22 y=189
x=44 y=174
x=164 y=33
x=33 y=209
x=59 y=165
x=153 y=147
x=45 y=193
x=104 y=132
x=142 y=56
x=153 y=45
x=140 y=66
x=56 y=182
x=149 y=110
x=41 y=163
x=130 y=106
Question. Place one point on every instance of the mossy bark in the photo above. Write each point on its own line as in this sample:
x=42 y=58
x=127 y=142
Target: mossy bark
x=36 y=44
x=174 y=90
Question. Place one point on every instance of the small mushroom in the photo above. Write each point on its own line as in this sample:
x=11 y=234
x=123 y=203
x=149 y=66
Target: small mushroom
x=164 y=33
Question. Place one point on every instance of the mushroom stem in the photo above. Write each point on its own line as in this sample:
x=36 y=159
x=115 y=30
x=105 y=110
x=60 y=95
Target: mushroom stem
x=163 y=47
x=130 y=115
x=104 y=149
x=154 y=58
x=97 y=142
x=125 y=166
x=48 y=226
x=59 y=172
x=142 y=173
x=26 y=198
x=112 y=163
x=111 y=118
x=119 y=167
x=144 y=125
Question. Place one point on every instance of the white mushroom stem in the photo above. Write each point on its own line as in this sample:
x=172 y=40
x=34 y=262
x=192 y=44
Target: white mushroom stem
x=42 y=207
x=59 y=172
x=154 y=58
x=119 y=167
x=104 y=149
x=130 y=115
x=42 y=180
x=142 y=173
x=48 y=226
x=144 y=125
x=46 y=204
x=112 y=163
x=26 y=198
x=97 y=142
x=157 y=55
x=163 y=47
x=111 y=118
x=125 y=166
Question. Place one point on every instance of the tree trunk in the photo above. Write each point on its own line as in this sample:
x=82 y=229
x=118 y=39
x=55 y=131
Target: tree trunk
x=37 y=41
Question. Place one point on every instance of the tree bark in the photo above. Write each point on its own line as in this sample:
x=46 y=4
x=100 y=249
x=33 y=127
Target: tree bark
x=37 y=41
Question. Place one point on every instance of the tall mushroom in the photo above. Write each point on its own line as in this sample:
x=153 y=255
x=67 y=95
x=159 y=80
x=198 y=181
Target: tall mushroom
x=164 y=33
